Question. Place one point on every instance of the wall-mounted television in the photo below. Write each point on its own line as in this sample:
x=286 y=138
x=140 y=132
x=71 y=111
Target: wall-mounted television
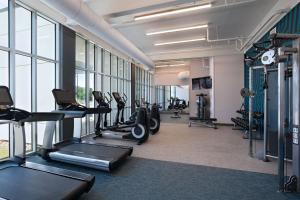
x=202 y=83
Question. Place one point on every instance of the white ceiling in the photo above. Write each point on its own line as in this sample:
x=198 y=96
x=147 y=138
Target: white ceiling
x=230 y=22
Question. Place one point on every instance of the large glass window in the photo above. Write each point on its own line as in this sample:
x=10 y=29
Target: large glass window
x=45 y=100
x=33 y=77
x=81 y=93
x=3 y=68
x=45 y=38
x=23 y=91
x=114 y=65
x=80 y=52
x=4 y=23
x=23 y=29
x=91 y=57
x=106 y=63
x=98 y=60
x=4 y=131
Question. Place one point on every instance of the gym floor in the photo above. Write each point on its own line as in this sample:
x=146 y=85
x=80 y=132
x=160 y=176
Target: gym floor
x=187 y=163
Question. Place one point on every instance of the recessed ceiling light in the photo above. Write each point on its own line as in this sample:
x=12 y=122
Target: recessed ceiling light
x=180 y=41
x=172 y=12
x=178 y=29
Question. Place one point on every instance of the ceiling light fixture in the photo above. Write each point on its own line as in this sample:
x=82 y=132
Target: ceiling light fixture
x=180 y=41
x=175 y=65
x=178 y=29
x=172 y=12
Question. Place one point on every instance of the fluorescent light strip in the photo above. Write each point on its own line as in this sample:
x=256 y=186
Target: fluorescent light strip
x=180 y=41
x=178 y=29
x=172 y=12
x=175 y=65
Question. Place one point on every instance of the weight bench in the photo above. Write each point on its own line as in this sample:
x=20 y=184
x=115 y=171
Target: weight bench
x=209 y=123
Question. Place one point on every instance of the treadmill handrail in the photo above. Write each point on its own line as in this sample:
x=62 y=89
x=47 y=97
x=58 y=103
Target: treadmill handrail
x=72 y=113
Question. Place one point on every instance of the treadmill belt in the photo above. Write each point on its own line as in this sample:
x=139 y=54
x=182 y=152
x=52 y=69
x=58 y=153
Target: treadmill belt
x=28 y=184
x=97 y=151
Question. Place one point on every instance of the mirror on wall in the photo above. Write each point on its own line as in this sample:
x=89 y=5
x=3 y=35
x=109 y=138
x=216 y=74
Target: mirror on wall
x=172 y=97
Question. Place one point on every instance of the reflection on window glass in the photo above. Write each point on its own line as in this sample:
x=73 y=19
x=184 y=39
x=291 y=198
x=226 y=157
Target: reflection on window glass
x=80 y=52
x=23 y=29
x=45 y=38
x=4 y=23
x=4 y=131
x=106 y=66
x=45 y=100
x=23 y=91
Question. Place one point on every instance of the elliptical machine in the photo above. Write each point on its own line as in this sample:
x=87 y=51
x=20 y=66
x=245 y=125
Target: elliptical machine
x=139 y=130
x=153 y=114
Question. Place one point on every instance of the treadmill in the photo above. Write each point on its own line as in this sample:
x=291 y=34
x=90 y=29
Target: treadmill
x=25 y=180
x=74 y=151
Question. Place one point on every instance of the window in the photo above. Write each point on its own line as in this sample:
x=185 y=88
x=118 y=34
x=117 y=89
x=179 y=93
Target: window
x=34 y=69
x=114 y=65
x=4 y=131
x=91 y=74
x=3 y=68
x=45 y=100
x=80 y=52
x=91 y=57
x=98 y=60
x=106 y=63
x=45 y=38
x=23 y=91
x=4 y=23
x=23 y=29
x=81 y=93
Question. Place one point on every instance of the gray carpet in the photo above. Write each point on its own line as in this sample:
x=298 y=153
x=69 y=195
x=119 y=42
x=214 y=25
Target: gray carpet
x=145 y=179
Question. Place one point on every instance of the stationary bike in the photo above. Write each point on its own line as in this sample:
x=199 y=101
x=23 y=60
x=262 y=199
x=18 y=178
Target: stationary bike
x=139 y=130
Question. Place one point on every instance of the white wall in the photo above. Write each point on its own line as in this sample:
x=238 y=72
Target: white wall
x=228 y=79
x=169 y=76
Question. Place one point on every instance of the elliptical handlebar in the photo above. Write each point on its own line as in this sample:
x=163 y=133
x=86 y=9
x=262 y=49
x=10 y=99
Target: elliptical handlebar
x=110 y=97
x=125 y=98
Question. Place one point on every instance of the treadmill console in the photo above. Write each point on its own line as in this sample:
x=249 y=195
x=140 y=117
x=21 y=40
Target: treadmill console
x=7 y=112
x=98 y=96
x=117 y=96
x=63 y=97
x=66 y=100
x=5 y=97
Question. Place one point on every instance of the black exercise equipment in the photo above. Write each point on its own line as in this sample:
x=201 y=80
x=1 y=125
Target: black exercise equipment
x=138 y=130
x=25 y=180
x=153 y=114
x=242 y=122
x=75 y=151
x=203 y=118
